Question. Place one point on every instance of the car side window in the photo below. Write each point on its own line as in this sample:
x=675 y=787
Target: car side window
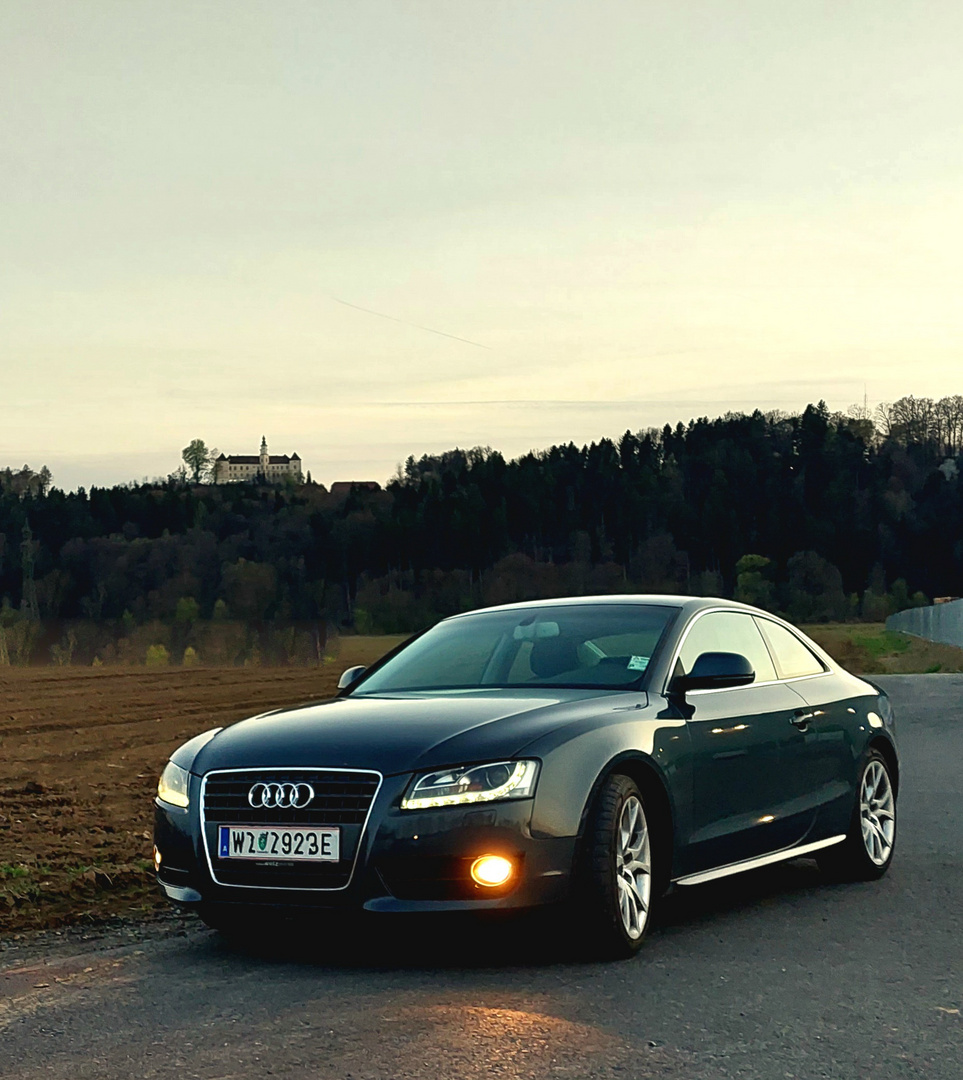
x=727 y=631
x=792 y=656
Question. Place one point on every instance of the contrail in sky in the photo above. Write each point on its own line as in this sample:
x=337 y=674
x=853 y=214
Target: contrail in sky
x=405 y=322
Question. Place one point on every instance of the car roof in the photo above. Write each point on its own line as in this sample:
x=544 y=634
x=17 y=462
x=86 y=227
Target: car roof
x=690 y=604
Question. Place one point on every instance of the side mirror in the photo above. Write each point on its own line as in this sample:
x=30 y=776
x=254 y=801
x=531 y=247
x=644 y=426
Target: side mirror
x=351 y=676
x=715 y=671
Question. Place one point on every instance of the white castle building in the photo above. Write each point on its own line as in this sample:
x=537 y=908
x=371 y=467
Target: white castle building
x=263 y=466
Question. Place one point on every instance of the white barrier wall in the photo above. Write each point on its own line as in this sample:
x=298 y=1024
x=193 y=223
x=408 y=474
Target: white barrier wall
x=938 y=622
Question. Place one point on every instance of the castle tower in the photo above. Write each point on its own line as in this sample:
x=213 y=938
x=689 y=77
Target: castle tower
x=265 y=457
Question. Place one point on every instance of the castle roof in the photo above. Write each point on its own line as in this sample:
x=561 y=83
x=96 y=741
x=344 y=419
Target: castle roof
x=253 y=459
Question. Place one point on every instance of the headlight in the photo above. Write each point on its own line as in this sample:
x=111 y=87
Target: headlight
x=173 y=784
x=472 y=784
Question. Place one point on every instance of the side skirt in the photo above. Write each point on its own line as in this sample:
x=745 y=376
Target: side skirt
x=761 y=860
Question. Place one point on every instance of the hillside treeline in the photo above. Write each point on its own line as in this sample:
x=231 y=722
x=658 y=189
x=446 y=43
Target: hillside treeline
x=818 y=516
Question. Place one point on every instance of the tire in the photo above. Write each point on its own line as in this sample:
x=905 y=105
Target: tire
x=616 y=885
x=867 y=851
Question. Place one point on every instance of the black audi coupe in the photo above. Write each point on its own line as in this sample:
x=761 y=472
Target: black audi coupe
x=588 y=753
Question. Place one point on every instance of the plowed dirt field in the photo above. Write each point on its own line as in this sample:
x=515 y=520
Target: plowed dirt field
x=80 y=752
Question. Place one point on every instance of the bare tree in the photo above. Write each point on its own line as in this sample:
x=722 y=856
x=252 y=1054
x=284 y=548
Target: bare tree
x=913 y=421
x=950 y=413
x=883 y=420
x=858 y=419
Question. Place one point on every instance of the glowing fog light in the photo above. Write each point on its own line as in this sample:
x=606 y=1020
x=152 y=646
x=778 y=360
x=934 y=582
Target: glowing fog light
x=491 y=870
x=157 y=859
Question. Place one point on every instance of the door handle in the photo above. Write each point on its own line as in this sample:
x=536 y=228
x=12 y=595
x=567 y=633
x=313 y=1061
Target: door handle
x=801 y=717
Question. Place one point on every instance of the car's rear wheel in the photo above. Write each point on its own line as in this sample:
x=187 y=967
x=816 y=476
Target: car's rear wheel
x=616 y=887
x=867 y=851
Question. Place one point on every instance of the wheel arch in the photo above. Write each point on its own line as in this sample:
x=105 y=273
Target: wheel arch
x=655 y=793
x=886 y=748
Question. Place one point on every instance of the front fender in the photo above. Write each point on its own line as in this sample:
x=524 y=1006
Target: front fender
x=574 y=767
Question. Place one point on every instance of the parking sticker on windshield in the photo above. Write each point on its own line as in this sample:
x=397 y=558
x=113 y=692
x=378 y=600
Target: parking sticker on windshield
x=638 y=663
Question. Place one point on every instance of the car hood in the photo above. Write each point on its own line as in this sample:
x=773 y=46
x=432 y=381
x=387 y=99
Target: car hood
x=398 y=733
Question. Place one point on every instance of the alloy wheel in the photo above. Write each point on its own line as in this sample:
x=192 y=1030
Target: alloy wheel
x=633 y=867
x=877 y=812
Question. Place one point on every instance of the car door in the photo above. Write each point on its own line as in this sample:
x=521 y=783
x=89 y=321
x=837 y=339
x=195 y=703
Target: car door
x=738 y=737
x=819 y=762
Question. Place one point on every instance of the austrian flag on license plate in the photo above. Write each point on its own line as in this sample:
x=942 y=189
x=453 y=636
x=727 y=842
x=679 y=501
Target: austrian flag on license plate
x=278 y=842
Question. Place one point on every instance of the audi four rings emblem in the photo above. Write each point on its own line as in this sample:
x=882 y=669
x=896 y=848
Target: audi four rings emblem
x=282 y=796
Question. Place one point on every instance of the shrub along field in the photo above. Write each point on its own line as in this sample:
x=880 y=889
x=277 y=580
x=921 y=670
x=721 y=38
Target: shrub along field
x=81 y=748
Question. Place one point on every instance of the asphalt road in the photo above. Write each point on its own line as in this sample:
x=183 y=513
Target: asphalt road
x=771 y=975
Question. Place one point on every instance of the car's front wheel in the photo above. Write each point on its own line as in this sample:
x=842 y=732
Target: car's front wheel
x=867 y=851
x=616 y=887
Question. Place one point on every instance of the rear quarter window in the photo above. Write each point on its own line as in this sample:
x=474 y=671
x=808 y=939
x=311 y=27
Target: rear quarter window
x=793 y=658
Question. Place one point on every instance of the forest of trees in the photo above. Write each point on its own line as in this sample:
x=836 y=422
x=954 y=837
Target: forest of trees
x=818 y=516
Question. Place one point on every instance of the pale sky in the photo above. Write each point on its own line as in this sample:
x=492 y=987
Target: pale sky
x=631 y=213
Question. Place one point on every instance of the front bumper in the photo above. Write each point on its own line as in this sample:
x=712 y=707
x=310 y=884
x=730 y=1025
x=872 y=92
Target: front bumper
x=406 y=861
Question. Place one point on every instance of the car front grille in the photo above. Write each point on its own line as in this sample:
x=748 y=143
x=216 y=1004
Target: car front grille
x=342 y=798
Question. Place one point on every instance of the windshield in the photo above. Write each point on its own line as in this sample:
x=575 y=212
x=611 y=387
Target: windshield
x=606 y=646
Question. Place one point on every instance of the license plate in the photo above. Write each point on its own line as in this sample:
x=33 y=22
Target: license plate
x=279 y=842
